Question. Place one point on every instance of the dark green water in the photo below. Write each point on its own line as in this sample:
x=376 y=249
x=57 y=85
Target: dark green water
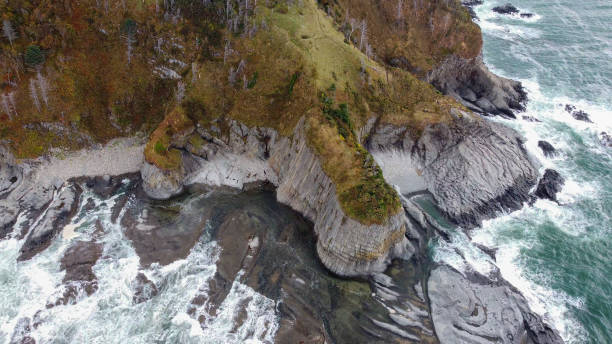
x=560 y=255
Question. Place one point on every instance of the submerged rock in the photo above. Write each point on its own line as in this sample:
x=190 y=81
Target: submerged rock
x=78 y=262
x=577 y=114
x=550 y=184
x=21 y=333
x=473 y=85
x=144 y=289
x=531 y=119
x=162 y=240
x=548 y=149
x=476 y=309
x=506 y=9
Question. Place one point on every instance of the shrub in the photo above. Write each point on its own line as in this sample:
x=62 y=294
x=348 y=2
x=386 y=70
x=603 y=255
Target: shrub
x=253 y=81
x=159 y=148
x=128 y=27
x=33 y=56
x=292 y=82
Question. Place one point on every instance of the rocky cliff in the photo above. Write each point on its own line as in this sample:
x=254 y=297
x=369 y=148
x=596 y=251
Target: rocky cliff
x=344 y=245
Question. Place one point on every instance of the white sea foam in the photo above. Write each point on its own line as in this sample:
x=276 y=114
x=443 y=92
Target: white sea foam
x=109 y=314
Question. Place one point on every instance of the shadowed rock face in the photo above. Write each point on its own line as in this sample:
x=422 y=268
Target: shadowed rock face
x=477 y=310
x=550 y=184
x=473 y=85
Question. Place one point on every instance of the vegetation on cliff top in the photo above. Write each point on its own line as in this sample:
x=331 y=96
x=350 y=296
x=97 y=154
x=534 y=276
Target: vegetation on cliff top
x=116 y=68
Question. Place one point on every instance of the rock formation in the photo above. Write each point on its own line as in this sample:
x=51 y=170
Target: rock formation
x=550 y=184
x=345 y=246
x=474 y=168
x=476 y=309
x=506 y=9
x=548 y=149
x=472 y=84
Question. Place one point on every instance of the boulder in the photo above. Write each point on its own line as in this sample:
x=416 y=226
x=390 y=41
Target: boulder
x=550 y=184
x=605 y=139
x=581 y=116
x=161 y=184
x=577 y=114
x=548 y=149
x=506 y=9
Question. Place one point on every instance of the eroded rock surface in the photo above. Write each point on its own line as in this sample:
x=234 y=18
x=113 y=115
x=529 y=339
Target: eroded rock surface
x=57 y=215
x=472 y=84
x=475 y=169
x=345 y=246
x=477 y=310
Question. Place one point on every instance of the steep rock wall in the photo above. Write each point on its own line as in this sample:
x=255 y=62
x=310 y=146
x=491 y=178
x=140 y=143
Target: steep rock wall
x=345 y=246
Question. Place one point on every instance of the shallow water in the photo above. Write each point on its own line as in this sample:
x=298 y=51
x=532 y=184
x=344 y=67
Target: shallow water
x=559 y=255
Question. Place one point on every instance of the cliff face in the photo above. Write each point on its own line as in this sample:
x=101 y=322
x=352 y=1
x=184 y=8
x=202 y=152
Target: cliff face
x=344 y=245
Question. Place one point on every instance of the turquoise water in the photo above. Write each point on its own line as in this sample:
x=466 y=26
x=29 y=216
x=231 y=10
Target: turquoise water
x=560 y=255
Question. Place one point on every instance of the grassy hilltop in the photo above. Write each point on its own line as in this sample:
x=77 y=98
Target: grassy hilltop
x=78 y=73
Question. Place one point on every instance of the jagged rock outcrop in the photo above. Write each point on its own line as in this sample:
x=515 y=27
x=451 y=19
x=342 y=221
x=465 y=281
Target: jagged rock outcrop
x=548 y=149
x=472 y=84
x=476 y=168
x=506 y=9
x=345 y=246
x=473 y=167
x=550 y=184
x=476 y=309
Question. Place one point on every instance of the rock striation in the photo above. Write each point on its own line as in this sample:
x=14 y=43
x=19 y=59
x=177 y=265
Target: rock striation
x=474 y=168
x=345 y=246
x=476 y=309
x=473 y=85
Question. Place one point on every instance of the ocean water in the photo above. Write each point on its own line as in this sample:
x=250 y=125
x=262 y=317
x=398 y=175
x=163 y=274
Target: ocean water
x=559 y=255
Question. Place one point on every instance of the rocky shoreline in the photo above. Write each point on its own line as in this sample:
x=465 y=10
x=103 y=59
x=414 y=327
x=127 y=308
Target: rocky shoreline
x=43 y=217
